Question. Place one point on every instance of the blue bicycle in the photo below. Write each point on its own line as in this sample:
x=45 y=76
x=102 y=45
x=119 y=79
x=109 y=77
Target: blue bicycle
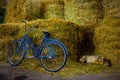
x=51 y=52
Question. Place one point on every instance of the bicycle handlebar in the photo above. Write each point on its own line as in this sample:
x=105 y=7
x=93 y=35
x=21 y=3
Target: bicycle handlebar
x=25 y=26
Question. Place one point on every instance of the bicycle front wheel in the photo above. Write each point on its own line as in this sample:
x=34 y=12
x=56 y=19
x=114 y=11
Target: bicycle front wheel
x=53 y=57
x=15 y=53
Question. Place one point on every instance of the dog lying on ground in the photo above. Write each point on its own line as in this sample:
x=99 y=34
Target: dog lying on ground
x=95 y=60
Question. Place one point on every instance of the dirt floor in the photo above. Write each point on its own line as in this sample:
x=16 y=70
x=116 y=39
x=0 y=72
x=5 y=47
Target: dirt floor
x=8 y=72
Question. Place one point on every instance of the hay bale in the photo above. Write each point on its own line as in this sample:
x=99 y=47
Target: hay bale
x=107 y=39
x=18 y=10
x=8 y=33
x=67 y=32
x=34 y=9
x=112 y=8
x=54 y=9
x=83 y=12
x=15 y=11
x=12 y=30
x=4 y=42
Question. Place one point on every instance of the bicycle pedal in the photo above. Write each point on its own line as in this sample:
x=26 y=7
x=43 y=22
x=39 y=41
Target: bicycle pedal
x=31 y=57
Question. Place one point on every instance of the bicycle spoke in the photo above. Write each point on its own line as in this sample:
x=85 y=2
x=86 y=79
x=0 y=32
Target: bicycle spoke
x=56 y=57
x=15 y=55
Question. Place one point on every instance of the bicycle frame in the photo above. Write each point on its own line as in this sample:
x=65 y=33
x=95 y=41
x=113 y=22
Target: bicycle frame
x=51 y=52
x=35 y=51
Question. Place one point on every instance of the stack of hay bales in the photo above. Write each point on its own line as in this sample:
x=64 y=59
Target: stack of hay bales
x=67 y=32
x=112 y=8
x=107 y=34
x=54 y=9
x=86 y=13
x=18 y=10
x=107 y=40
x=83 y=12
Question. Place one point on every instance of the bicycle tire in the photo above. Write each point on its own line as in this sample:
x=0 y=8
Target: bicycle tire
x=57 y=62
x=14 y=56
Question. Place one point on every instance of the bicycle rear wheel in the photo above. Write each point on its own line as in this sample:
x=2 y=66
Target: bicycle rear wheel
x=15 y=53
x=53 y=57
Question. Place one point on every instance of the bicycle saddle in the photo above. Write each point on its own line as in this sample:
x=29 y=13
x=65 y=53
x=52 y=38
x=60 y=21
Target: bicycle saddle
x=46 y=33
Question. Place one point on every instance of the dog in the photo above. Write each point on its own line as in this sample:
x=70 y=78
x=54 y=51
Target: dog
x=95 y=60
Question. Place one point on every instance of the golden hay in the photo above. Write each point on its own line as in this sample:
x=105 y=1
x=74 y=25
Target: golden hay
x=34 y=9
x=112 y=8
x=83 y=12
x=54 y=9
x=18 y=10
x=107 y=39
x=4 y=42
x=15 y=11
x=12 y=30
x=67 y=32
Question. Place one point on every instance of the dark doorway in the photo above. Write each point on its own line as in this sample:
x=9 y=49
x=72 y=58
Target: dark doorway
x=2 y=14
x=3 y=4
